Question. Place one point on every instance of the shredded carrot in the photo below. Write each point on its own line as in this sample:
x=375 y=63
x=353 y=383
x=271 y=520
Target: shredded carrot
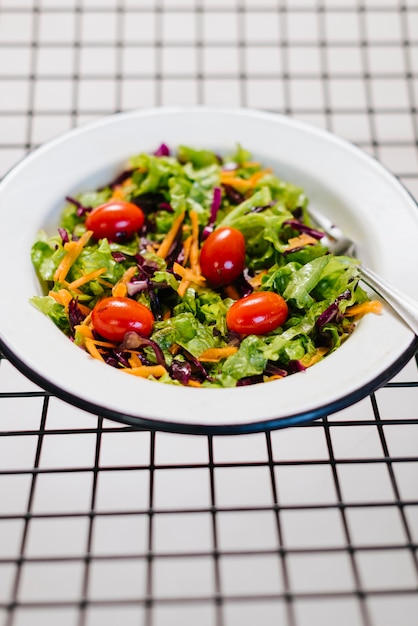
x=73 y=250
x=358 y=310
x=194 y=249
x=62 y=296
x=240 y=184
x=130 y=273
x=165 y=245
x=188 y=274
x=105 y=283
x=213 y=355
x=187 y=244
x=183 y=287
x=119 y=192
x=87 y=320
x=232 y=292
x=103 y=344
x=134 y=360
x=194 y=383
x=92 y=349
x=298 y=242
x=255 y=281
x=144 y=371
x=84 y=331
x=167 y=314
x=120 y=290
x=259 y=175
x=251 y=164
x=311 y=359
x=174 y=349
x=269 y=379
x=84 y=309
x=86 y=278
x=229 y=177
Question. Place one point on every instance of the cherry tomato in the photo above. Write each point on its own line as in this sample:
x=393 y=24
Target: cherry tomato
x=113 y=317
x=115 y=219
x=257 y=314
x=222 y=257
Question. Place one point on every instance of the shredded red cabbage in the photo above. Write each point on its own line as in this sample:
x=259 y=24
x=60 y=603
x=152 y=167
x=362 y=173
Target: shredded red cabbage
x=260 y=209
x=332 y=312
x=303 y=228
x=151 y=202
x=163 y=150
x=118 y=180
x=295 y=366
x=250 y=380
x=272 y=369
x=181 y=371
x=216 y=203
x=81 y=209
x=244 y=288
x=133 y=341
x=75 y=316
x=234 y=196
x=119 y=257
x=63 y=233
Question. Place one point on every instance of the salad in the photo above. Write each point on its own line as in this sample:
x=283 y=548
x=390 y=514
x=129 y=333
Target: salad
x=196 y=269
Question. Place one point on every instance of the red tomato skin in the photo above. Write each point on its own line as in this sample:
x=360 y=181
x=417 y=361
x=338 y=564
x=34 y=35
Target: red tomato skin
x=222 y=257
x=257 y=314
x=115 y=219
x=114 y=316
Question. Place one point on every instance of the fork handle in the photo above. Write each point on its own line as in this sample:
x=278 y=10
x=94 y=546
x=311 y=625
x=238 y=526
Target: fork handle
x=405 y=306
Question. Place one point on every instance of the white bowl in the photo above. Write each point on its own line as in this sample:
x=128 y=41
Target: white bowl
x=341 y=180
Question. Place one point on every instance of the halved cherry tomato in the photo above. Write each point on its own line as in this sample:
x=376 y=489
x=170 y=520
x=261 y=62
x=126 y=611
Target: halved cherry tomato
x=115 y=220
x=257 y=314
x=222 y=257
x=113 y=317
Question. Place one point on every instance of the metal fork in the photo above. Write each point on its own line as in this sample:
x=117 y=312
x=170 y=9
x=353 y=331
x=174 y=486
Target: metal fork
x=338 y=243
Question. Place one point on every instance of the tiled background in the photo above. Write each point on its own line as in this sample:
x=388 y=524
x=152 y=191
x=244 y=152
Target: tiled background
x=102 y=524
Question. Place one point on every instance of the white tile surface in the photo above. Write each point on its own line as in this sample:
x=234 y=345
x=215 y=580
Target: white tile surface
x=191 y=527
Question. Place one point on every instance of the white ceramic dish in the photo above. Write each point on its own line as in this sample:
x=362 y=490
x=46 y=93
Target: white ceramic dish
x=341 y=180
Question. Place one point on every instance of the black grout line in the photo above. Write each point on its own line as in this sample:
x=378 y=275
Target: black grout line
x=290 y=609
x=364 y=611
x=370 y=105
x=87 y=558
x=215 y=539
x=393 y=481
x=149 y=591
x=19 y=563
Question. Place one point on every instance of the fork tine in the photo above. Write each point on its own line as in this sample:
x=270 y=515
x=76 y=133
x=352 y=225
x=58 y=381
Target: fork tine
x=335 y=239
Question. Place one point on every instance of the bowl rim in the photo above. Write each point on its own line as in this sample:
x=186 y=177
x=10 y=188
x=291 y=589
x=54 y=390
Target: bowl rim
x=205 y=427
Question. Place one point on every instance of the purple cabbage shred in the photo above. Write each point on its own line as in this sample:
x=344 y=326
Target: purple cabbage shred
x=81 y=209
x=181 y=371
x=75 y=316
x=162 y=150
x=63 y=233
x=303 y=228
x=273 y=370
x=332 y=312
x=296 y=366
x=244 y=288
x=216 y=203
x=118 y=180
x=133 y=341
x=234 y=196
x=250 y=380
x=118 y=257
